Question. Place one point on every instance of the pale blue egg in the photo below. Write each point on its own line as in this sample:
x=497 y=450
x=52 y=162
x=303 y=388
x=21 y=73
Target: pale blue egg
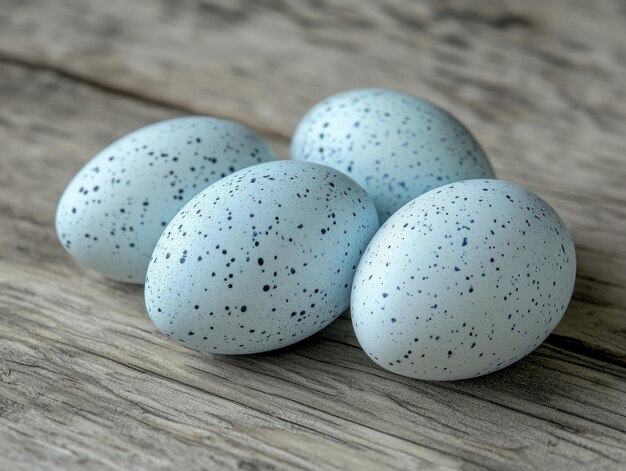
x=261 y=259
x=396 y=146
x=462 y=281
x=114 y=210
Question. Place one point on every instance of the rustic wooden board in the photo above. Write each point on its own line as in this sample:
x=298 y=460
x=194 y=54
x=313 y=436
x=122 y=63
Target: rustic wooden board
x=85 y=379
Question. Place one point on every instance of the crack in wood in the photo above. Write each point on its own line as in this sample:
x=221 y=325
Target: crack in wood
x=130 y=94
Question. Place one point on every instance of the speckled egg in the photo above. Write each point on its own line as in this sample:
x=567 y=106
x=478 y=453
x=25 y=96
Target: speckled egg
x=261 y=259
x=114 y=210
x=396 y=146
x=462 y=281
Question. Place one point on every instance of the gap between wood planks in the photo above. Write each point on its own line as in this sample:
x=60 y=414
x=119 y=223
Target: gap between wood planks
x=560 y=341
x=144 y=98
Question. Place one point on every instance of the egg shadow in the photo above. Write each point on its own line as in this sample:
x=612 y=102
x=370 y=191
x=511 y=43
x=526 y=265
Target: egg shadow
x=595 y=298
x=523 y=380
x=335 y=344
x=313 y=342
x=120 y=287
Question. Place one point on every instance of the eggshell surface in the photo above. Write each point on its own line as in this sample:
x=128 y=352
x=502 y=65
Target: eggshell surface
x=261 y=259
x=395 y=145
x=462 y=281
x=114 y=210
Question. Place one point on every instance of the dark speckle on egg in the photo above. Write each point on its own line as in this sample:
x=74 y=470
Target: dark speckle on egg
x=263 y=282
x=477 y=302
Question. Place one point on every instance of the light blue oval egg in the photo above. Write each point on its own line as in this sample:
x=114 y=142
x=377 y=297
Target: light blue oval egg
x=113 y=211
x=462 y=281
x=261 y=259
x=395 y=145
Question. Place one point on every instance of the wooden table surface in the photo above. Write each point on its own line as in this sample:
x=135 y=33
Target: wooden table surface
x=86 y=381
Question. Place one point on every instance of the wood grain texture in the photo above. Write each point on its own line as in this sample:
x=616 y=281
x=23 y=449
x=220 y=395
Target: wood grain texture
x=86 y=382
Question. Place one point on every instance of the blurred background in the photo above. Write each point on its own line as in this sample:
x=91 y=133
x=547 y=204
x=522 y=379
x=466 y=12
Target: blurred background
x=533 y=79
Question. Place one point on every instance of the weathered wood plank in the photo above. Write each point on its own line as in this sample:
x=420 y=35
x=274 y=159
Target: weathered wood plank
x=86 y=378
x=110 y=388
